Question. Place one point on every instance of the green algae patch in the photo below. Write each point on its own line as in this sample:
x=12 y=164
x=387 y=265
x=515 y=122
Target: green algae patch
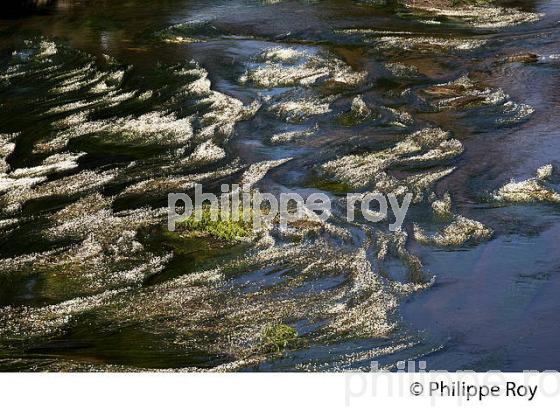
x=228 y=229
x=334 y=186
x=327 y=184
x=200 y=243
x=278 y=337
x=192 y=253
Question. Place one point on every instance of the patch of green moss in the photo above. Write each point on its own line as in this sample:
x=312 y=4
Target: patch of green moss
x=227 y=229
x=192 y=253
x=278 y=337
x=331 y=186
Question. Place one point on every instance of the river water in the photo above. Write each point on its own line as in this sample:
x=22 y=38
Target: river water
x=106 y=107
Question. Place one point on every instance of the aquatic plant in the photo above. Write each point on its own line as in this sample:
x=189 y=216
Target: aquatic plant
x=227 y=229
x=442 y=207
x=476 y=13
x=531 y=190
x=278 y=336
x=461 y=231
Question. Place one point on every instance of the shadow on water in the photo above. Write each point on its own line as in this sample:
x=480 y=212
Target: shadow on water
x=13 y=9
x=125 y=346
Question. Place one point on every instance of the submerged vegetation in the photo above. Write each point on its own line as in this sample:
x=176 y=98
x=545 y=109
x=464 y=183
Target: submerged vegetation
x=395 y=97
x=278 y=337
x=213 y=223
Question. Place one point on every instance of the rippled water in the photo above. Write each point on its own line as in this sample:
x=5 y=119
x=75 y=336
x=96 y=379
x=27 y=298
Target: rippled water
x=107 y=108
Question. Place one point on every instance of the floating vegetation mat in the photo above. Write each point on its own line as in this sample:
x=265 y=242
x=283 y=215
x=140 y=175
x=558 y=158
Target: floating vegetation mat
x=87 y=192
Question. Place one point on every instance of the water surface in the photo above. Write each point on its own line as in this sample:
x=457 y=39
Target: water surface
x=106 y=108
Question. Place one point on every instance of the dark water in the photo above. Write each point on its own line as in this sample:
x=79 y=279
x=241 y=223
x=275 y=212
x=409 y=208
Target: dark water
x=105 y=108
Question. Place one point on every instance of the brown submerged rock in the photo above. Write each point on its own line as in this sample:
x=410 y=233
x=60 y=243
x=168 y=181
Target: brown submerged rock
x=455 y=94
x=466 y=101
x=523 y=58
x=445 y=91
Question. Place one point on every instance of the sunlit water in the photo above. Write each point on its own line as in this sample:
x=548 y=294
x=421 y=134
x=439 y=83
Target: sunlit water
x=106 y=108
